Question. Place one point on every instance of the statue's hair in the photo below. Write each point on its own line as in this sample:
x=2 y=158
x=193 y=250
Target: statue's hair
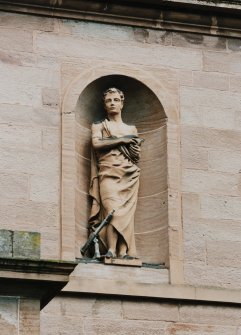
x=114 y=90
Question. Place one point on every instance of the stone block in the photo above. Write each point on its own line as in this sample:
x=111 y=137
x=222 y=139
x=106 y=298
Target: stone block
x=26 y=245
x=190 y=205
x=211 y=138
x=51 y=140
x=152 y=36
x=19 y=21
x=29 y=316
x=235 y=84
x=44 y=188
x=224 y=253
x=198 y=41
x=194 y=157
x=146 y=54
x=134 y=327
x=193 y=96
x=220 y=207
x=6 y=244
x=152 y=311
x=20 y=40
x=196 y=329
x=234 y=44
x=198 y=181
x=25 y=84
x=194 y=244
x=199 y=274
x=30 y=162
x=50 y=97
x=9 y=315
x=58 y=324
x=224 y=160
x=14 y=186
x=185 y=77
x=210 y=117
x=217 y=230
x=216 y=81
x=221 y=62
x=27 y=116
x=20 y=137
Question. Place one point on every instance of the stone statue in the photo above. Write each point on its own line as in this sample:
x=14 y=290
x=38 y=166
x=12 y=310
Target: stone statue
x=115 y=178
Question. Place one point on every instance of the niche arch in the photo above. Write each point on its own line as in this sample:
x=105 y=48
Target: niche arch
x=74 y=83
x=144 y=109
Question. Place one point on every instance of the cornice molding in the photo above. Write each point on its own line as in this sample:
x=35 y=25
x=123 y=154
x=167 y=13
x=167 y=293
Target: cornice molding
x=38 y=279
x=213 y=17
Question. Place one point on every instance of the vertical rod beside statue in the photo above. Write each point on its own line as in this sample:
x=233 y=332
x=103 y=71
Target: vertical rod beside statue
x=115 y=178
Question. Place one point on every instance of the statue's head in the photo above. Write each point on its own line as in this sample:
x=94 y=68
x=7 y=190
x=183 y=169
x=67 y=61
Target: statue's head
x=114 y=90
x=113 y=100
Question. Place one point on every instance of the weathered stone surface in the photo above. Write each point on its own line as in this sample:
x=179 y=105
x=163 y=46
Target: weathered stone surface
x=14 y=186
x=207 y=182
x=211 y=138
x=29 y=161
x=31 y=22
x=194 y=157
x=25 y=84
x=204 y=314
x=6 y=243
x=209 y=117
x=110 y=327
x=220 y=207
x=221 y=62
x=191 y=40
x=191 y=205
x=153 y=311
x=212 y=275
x=194 y=245
x=11 y=114
x=29 y=317
x=26 y=245
x=211 y=80
x=192 y=96
x=234 y=44
x=20 y=41
x=235 y=84
x=224 y=253
x=224 y=160
x=194 y=329
x=9 y=315
x=146 y=55
x=152 y=36
x=20 y=137
x=50 y=97
x=44 y=189
x=57 y=324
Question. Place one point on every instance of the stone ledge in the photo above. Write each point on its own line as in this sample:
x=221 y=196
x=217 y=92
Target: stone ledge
x=149 y=283
x=217 y=17
x=33 y=279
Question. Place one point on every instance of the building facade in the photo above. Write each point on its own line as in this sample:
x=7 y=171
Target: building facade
x=179 y=63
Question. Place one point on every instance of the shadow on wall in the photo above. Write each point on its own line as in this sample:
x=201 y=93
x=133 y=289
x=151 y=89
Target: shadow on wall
x=143 y=109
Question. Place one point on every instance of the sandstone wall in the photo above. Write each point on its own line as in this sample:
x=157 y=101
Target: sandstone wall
x=41 y=56
x=86 y=315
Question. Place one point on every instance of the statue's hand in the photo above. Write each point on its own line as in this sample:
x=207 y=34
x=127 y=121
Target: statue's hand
x=138 y=140
x=127 y=140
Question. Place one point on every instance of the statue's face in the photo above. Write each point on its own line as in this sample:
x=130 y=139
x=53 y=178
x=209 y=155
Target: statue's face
x=113 y=103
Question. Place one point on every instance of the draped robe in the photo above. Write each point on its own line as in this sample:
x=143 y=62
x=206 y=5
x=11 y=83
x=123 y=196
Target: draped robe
x=114 y=185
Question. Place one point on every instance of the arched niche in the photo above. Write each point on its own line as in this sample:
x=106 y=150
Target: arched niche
x=144 y=109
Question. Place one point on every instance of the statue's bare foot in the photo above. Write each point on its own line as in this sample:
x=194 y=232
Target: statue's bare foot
x=110 y=254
